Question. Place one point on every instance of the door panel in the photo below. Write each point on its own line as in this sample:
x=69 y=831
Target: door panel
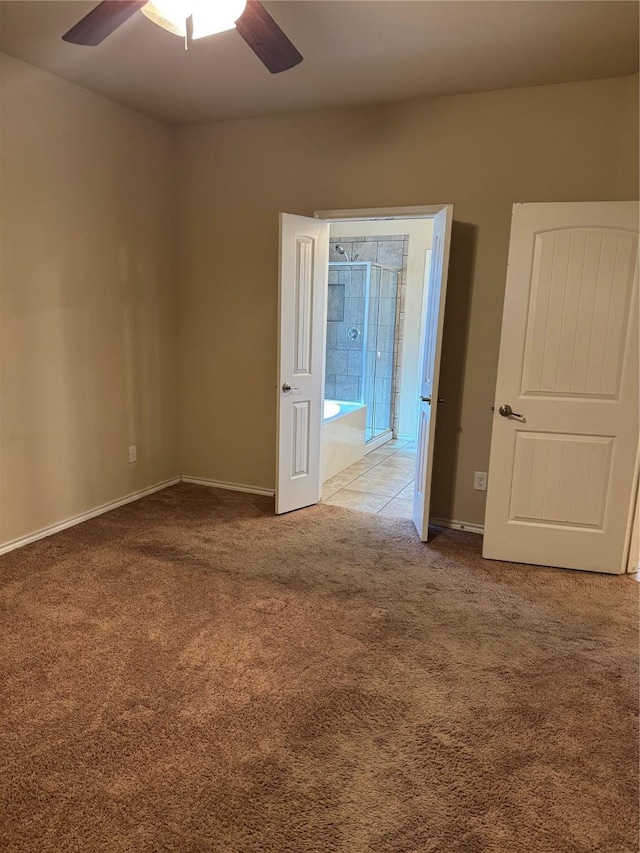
x=303 y=305
x=304 y=256
x=580 y=294
x=430 y=361
x=560 y=479
x=562 y=468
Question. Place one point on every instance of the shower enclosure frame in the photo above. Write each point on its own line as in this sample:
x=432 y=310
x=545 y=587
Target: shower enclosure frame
x=368 y=265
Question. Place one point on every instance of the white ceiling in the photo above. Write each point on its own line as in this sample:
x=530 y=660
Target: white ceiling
x=355 y=52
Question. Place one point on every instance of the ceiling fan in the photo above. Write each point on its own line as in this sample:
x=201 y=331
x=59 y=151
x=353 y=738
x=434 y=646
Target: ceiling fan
x=197 y=19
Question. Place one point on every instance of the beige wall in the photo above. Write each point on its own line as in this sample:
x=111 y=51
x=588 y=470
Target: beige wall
x=87 y=301
x=420 y=232
x=87 y=270
x=481 y=152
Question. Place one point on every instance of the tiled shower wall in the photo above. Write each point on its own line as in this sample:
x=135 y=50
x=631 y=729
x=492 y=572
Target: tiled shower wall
x=384 y=250
x=346 y=308
x=344 y=357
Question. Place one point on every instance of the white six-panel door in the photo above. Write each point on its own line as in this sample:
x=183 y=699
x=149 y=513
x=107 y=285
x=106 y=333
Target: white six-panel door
x=430 y=367
x=304 y=260
x=562 y=467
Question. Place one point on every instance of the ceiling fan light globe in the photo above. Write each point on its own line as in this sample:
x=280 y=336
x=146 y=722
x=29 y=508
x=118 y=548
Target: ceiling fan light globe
x=168 y=14
x=214 y=16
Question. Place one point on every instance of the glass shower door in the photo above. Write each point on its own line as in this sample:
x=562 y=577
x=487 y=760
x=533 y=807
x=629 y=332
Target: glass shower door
x=381 y=350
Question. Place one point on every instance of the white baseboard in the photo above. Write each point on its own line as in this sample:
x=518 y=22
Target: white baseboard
x=197 y=481
x=85 y=516
x=231 y=487
x=458 y=525
x=375 y=443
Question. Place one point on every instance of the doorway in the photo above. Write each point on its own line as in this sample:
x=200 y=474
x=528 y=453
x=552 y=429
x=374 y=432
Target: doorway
x=363 y=328
x=377 y=280
x=303 y=312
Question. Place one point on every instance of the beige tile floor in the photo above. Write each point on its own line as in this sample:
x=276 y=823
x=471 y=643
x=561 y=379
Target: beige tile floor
x=381 y=483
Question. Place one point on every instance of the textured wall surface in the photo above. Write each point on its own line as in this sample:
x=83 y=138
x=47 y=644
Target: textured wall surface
x=88 y=301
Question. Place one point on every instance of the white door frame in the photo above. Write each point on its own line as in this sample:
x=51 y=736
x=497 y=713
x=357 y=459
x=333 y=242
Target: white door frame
x=633 y=525
x=426 y=211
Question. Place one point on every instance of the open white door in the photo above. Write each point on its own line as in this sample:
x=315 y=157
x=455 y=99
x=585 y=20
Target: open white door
x=430 y=361
x=565 y=434
x=304 y=260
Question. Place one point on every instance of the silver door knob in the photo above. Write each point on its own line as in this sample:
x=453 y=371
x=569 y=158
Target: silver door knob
x=506 y=411
x=286 y=387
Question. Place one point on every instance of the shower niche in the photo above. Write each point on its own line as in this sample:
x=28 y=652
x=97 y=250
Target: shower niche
x=362 y=327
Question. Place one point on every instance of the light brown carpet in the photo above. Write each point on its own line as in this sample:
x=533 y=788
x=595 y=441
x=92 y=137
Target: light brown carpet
x=190 y=673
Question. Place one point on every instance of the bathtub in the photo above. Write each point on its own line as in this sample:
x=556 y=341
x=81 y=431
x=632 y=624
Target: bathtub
x=343 y=432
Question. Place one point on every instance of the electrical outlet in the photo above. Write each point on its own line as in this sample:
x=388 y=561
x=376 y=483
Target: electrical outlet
x=480 y=481
x=133 y=453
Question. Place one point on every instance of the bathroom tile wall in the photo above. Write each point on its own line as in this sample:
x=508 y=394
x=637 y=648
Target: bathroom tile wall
x=344 y=379
x=385 y=250
x=345 y=334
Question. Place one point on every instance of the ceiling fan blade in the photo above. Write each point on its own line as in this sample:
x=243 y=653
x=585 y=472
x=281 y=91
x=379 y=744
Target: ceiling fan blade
x=102 y=21
x=266 y=39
